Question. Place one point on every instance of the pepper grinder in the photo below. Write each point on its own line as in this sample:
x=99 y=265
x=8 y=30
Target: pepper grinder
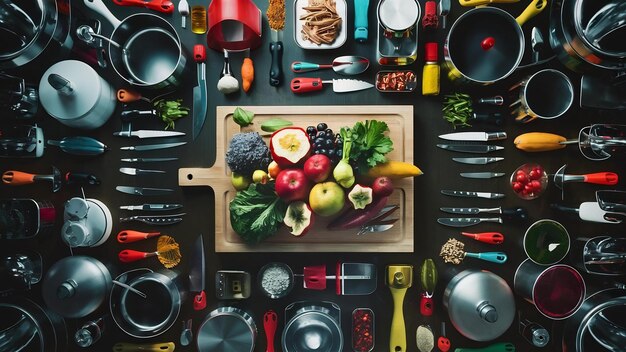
x=399 y=278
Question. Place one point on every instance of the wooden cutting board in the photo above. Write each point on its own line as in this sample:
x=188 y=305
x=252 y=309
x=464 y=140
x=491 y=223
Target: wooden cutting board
x=399 y=118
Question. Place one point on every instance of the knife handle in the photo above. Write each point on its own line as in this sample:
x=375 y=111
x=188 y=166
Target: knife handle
x=305 y=84
x=129 y=236
x=490 y=117
x=129 y=114
x=129 y=255
x=199 y=53
x=270 y=322
x=496 y=136
x=199 y=301
x=486 y=237
x=426 y=305
x=276 y=69
x=494 y=257
x=601 y=178
x=514 y=214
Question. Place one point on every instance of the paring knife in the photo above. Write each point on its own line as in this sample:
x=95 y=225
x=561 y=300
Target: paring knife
x=151 y=207
x=153 y=146
x=148 y=134
x=135 y=172
x=143 y=191
x=155 y=219
x=465 y=222
x=307 y=84
x=505 y=213
x=481 y=174
x=469 y=194
x=478 y=161
x=474 y=136
x=470 y=148
x=200 y=91
x=146 y=160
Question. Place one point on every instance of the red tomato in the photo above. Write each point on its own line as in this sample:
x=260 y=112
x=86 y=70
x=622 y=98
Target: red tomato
x=518 y=186
x=523 y=178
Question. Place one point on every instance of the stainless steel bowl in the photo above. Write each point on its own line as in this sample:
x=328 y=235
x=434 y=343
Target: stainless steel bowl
x=313 y=327
x=227 y=329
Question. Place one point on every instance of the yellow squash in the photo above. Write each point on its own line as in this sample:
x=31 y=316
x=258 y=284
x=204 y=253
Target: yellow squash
x=394 y=169
x=539 y=142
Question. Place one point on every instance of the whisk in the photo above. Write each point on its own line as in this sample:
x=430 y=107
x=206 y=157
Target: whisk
x=168 y=253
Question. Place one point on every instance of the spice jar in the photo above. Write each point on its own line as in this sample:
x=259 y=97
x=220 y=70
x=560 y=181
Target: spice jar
x=396 y=81
x=276 y=280
x=362 y=330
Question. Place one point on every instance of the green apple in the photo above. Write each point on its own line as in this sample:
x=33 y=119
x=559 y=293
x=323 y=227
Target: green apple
x=240 y=182
x=327 y=198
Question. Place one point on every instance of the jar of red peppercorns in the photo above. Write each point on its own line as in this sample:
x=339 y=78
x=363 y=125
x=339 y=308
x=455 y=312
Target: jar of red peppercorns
x=362 y=330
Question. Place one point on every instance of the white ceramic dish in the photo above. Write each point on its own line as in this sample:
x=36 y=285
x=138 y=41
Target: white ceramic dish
x=342 y=10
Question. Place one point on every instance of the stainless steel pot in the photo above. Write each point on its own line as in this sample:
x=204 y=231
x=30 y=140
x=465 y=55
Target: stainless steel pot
x=546 y=94
x=227 y=329
x=150 y=316
x=589 y=35
x=598 y=325
x=486 y=44
x=27 y=326
x=31 y=29
x=144 y=49
x=312 y=326
x=480 y=304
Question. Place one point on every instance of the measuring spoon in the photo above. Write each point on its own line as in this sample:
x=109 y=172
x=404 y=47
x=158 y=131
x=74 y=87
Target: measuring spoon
x=344 y=65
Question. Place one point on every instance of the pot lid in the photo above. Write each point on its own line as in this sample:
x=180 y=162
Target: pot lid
x=485 y=44
x=76 y=286
x=398 y=15
x=70 y=90
x=227 y=329
x=312 y=329
x=602 y=24
x=20 y=23
x=480 y=304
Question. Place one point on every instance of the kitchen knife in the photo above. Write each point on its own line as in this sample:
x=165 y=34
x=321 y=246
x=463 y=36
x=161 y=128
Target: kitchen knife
x=465 y=222
x=153 y=146
x=474 y=136
x=276 y=18
x=481 y=174
x=148 y=134
x=136 y=172
x=478 y=161
x=470 y=194
x=157 y=220
x=512 y=214
x=308 y=84
x=374 y=228
x=151 y=207
x=197 y=273
x=146 y=160
x=144 y=191
x=200 y=91
x=470 y=148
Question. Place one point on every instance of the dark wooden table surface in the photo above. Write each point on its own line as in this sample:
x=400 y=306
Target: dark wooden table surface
x=440 y=172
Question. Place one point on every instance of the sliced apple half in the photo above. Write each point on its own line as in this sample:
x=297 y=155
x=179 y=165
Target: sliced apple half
x=290 y=146
x=299 y=217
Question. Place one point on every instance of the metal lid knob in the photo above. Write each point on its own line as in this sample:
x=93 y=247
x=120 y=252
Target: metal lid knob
x=487 y=312
x=67 y=289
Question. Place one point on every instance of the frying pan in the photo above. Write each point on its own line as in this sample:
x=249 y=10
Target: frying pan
x=486 y=44
x=144 y=49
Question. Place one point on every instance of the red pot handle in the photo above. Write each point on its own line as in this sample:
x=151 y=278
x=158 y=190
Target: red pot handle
x=601 y=178
x=164 y=6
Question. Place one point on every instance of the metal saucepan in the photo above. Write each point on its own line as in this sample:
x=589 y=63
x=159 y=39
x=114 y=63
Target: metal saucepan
x=227 y=329
x=486 y=44
x=144 y=49
x=546 y=94
x=398 y=17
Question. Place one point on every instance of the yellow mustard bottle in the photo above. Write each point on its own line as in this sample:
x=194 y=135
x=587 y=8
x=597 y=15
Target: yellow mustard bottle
x=431 y=72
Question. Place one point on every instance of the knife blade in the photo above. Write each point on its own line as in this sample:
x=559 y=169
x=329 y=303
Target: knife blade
x=136 y=172
x=146 y=160
x=465 y=222
x=197 y=273
x=200 y=91
x=471 y=194
x=151 y=207
x=276 y=18
x=470 y=148
x=308 y=84
x=143 y=191
x=158 y=220
x=481 y=174
x=153 y=146
x=478 y=161
x=148 y=134
x=474 y=136
x=374 y=228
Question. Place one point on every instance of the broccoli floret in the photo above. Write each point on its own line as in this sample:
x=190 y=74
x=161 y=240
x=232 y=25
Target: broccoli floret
x=247 y=152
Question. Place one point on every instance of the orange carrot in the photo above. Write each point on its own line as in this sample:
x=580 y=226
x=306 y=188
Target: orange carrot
x=247 y=74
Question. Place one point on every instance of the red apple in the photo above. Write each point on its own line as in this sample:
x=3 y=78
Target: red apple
x=318 y=167
x=292 y=185
x=382 y=187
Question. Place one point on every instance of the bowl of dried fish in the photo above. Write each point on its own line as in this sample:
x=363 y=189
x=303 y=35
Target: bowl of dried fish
x=320 y=24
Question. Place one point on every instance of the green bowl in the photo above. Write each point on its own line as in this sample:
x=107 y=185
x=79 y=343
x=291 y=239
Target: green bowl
x=546 y=242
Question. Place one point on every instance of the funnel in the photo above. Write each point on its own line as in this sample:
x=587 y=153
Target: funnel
x=399 y=278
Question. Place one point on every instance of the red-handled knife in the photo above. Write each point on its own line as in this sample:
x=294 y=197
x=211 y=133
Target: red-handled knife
x=307 y=84
x=164 y=6
x=270 y=321
x=197 y=275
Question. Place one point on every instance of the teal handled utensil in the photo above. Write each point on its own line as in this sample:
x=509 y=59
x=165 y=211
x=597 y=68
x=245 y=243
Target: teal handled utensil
x=360 y=20
x=496 y=347
x=344 y=65
x=453 y=252
x=494 y=257
x=80 y=145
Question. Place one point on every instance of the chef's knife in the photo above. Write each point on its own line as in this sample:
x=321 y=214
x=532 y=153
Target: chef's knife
x=276 y=18
x=505 y=213
x=151 y=207
x=144 y=191
x=488 y=195
x=136 y=172
x=146 y=160
x=478 y=161
x=470 y=148
x=153 y=146
x=148 y=134
x=474 y=136
x=200 y=91
x=197 y=273
x=157 y=220
x=465 y=222
x=308 y=84
x=481 y=174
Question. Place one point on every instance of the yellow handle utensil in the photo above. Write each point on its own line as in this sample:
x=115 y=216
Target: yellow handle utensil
x=399 y=279
x=533 y=9
x=147 y=347
x=484 y=2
